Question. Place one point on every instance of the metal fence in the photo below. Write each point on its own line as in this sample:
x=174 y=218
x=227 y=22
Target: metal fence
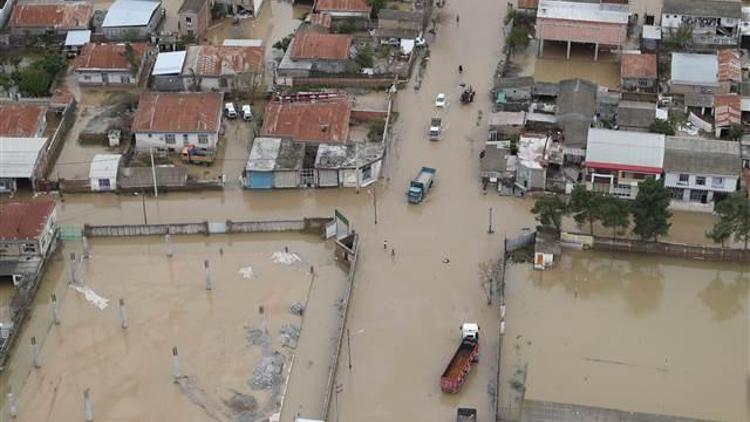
x=313 y=225
x=681 y=250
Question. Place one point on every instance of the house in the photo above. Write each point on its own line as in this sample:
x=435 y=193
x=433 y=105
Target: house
x=576 y=105
x=507 y=122
x=513 y=94
x=399 y=24
x=309 y=119
x=274 y=163
x=170 y=121
x=581 y=22
x=103 y=172
x=701 y=171
x=714 y=23
x=494 y=162
x=132 y=19
x=617 y=160
x=350 y=12
x=27 y=229
x=22 y=120
x=167 y=71
x=194 y=17
x=650 y=38
x=727 y=112
x=50 y=18
x=354 y=165
x=222 y=68
x=109 y=64
x=635 y=115
x=531 y=169
x=75 y=40
x=316 y=52
x=20 y=160
x=638 y=72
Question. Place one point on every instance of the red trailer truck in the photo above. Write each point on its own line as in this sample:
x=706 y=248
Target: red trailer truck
x=460 y=365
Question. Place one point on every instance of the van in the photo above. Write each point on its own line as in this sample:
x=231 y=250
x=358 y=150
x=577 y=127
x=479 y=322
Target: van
x=247 y=112
x=230 y=111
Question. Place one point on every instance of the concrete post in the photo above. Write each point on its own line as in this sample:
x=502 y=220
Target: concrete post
x=88 y=413
x=12 y=409
x=123 y=315
x=207 y=270
x=263 y=325
x=541 y=47
x=55 y=310
x=74 y=275
x=85 y=242
x=36 y=360
x=176 y=364
x=170 y=247
x=568 y=53
x=596 y=51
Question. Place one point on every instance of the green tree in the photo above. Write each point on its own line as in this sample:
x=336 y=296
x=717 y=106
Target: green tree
x=549 y=211
x=33 y=81
x=735 y=132
x=734 y=218
x=283 y=43
x=375 y=131
x=614 y=213
x=662 y=126
x=132 y=58
x=650 y=210
x=364 y=57
x=679 y=39
x=376 y=5
x=518 y=39
x=585 y=206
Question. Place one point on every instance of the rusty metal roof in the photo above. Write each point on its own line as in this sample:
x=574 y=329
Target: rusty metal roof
x=179 y=112
x=638 y=66
x=728 y=110
x=313 y=45
x=730 y=65
x=21 y=120
x=106 y=56
x=212 y=60
x=24 y=219
x=73 y=15
x=342 y=6
x=322 y=120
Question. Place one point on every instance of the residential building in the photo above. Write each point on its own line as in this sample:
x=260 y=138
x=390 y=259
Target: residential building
x=644 y=13
x=531 y=169
x=513 y=94
x=103 y=172
x=20 y=162
x=507 y=123
x=132 y=19
x=50 y=18
x=638 y=72
x=27 y=229
x=695 y=74
x=699 y=172
x=727 y=112
x=222 y=68
x=576 y=105
x=108 y=64
x=194 y=17
x=581 y=22
x=75 y=40
x=635 y=115
x=313 y=52
x=22 y=119
x=353 y=166
x=167 y=71
x=322 y=119
x=170 y=121
x=713 y=22
x=650 y=38
x=617 y=160
x=399 y=24
x=350 y=12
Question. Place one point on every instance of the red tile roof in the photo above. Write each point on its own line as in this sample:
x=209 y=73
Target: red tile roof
x=20 y=120
x=638 y=66
x=59 y=15
x=106 y=56
x=324 y=121
x=179 y=112
x=24 y=219
x=730 y=65
x=342 y=6
x=321 y=19
x=728 y=110
x=313 y=45
x=528 y=4
x=211 y=60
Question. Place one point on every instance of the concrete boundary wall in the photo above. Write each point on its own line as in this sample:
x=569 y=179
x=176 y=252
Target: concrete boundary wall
x=312 y=225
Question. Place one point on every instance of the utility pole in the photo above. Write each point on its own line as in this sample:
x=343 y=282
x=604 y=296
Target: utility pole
x=490 y=230
x=338 y=388
x=153 y=172
x=143 y=201
x=375 y=203
x=349 y=348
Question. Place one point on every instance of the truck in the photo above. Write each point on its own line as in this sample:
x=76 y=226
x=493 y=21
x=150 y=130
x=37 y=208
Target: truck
x=466 y=414
x=436 y=128
x=420 y=185
x=196 y=155
x=467 y=96
x=460 y=365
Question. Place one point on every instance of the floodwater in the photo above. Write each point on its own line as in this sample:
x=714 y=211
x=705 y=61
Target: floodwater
x=129 y=371
x=634 y=333
x=554 y=67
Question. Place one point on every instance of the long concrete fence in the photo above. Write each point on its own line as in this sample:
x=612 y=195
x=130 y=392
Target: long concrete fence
x=312 y=225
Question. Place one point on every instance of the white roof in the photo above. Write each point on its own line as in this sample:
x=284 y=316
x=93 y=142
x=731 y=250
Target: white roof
x=263 y=154
x=169 y=63
x=407 y=46
x=590 y=12
x=19 y=156
x=77 y=38
x=621 y=147
x=651 y=32
x=104 y=166
x=691 y=68
x=130 y=13
x=237 y=42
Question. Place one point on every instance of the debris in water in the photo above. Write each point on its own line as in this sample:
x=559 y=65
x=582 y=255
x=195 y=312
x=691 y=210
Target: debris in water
x=246 y=272
x=90 y=295
x=286 y=258
x=289 y=334
x=297 y=308
x=267 y=373
x=257 y=337
x=198 y=396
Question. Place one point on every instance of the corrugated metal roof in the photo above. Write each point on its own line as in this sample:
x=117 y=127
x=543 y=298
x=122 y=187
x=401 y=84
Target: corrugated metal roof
x=263 y=154
x=703 y=8
x=321 y=120
x=24 y=219
x=242 y=42
x=589 y=12
x=104 y=166
x=313 y=45
x=620 y=147
x=695 y=69
x=728 y=110
x=61 y=15
x=169 y=63
x=651 y=32
x=213 y=60
x=130 y=13
x=21 y=119
x=702 y=156
x=107 y=56
x=638 y=66
x=178 y=112
x=77 y=38
x=342 y=6
x=19 y=156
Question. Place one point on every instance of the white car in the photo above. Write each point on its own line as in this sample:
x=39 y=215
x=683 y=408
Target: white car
x=230 y=111
x=247 y=112
x=420 y=41
x=441 y=101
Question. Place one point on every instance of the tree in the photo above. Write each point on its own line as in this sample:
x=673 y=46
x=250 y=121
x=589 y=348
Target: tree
x=662 y=126
x=247 y=82
x=32 y=81
x=364 y=57
x=734 y=218
x=585 y=206
x=376 y=6
x=735 y=132
x=283 y=43
x=650 y=213
x=549 y=211
x=375 y=131
x=680 y=38
x=614 y=213
x=133 y=60
x=518 y=39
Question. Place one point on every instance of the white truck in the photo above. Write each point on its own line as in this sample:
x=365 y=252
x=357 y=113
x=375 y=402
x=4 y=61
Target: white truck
x=436 y=128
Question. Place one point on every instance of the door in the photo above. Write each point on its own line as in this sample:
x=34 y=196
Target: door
x=104 y=185
x=105 y=78
x=328 y=178
x=260 y=180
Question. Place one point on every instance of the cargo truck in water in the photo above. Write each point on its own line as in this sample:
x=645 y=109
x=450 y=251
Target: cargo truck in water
x=421 y=185
x=460 y=365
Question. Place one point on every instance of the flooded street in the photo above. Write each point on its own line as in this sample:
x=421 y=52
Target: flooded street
x=635 y=333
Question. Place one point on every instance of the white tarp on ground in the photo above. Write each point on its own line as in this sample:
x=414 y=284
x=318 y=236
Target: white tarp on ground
x=19 y=156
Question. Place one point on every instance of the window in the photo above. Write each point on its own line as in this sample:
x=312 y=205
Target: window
x=188 y=20
x=169 y=139
x=699 y=196
x=124 y=79
x=676 y=193
x=202 y=139
x=684 y=179
x=717 y=182
x=185 y=141
x=86 y=77
x=700 y=180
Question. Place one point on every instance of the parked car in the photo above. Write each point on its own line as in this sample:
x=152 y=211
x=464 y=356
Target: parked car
x=390 y=41
x=247 y=112
x=230 y=111
x=420 y=41
x=440 y=100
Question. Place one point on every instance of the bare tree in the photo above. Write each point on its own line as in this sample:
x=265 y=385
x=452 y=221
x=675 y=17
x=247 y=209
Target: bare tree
x=489 y=273
x=247 y=82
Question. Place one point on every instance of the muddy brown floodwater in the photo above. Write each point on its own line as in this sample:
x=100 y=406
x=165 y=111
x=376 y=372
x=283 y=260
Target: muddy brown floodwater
x=633 y=332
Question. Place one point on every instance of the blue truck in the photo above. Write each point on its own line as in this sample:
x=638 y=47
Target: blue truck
x=421 y=185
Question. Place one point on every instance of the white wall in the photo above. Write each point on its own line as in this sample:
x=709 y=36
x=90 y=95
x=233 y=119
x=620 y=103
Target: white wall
x=729 y=183
x=97 y=78
x=670 y=21
x=144 y=141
